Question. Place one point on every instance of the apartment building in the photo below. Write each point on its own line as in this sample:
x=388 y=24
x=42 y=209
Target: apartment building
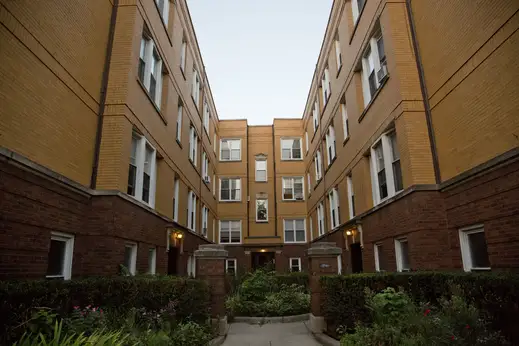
x=112 y=151
x=413 y=122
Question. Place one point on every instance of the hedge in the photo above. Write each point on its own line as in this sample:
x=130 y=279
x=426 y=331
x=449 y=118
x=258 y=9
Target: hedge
x=299 y=278
x=495 y=294
x=19 y=298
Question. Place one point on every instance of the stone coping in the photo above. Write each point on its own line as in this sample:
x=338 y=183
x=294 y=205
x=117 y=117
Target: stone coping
x=274 y=319
x=322 y=338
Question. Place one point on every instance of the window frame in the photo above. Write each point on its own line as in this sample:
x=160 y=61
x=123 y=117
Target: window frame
x=235 y=265
x=345 y=122
x=132 y=269
x=164 y=11
x=371 y=58
x=230 y=231
x=195 y=87
x=239 y=195
x=309 y=183
x=207 y=116
x=307 y=142
x=205 y=165
x=351 y=196
x=205 y=221
x=193 y=145
x=176 y=191
x=333 y=200
x=318 y=166
x=320 y=220
x=299 y=266
x=267 y=210
x=294 y=220
x=141 y=144
x=153 y=258
x=326 y=85
x=356 y=10
x=283 y=187
x=338 y=50
x=399 y=253
x=230 y=149
x=68 y=256
x=291 y=157
x=257 y=170
x=466 y=251
x=180 y=111
x=151 y=68
x=315 y=115
x=183 y=54
x=331 y=149
x=376 y=251
x=191 y=210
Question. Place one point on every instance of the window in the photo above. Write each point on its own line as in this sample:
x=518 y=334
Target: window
x=326 y=85
x=163 y=6
x=333 y=198
x=230 y=150
x=176 y=188
x=130 y=257
x=338 y=53
x=295 y=231
x=380 y=263
x=309 y=183
x=351 y=197
x=345 y=124
x=230 y=232
x=230 y=266
x=374 y=67
x=214 y=141
x=214 y=185
x=195 y=91
x=152 y=260
x=474 y=251
x=191 y=211
x=261 y=170
x=291 y=149
x=60 y=255
x=357 y=6
x=150 y=69
x=262 y=210
x=318 y=166
x=191 y=266
x=183 y=52
x=205 y=166
x=315 y=115
x=339 y=264
x=207 y=116
x=193 y=145
x=179 y=120
x=295 y=264
x=142 y=170
x=311 y=223
x=293 y=189
x=205 y=218
x=402 y=254
x=320 y=218
x=230 y=189
x=385 y=167
x=330 y=144
x=306 y=141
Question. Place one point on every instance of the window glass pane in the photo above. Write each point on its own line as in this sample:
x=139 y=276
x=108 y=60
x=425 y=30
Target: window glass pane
x=132 y=176
x=397 y=174
x=382 y=184
x=235 y=237
x=300 y=235
x=478 y=250
x=395 y=154
x=404 y=246
x=235 y=154
x=56 y=257
x=261 y=210
x=289 y=235
x=381 y=258
x=128 y=257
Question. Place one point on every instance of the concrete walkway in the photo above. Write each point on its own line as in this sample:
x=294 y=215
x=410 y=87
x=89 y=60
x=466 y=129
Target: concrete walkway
x=277 y=334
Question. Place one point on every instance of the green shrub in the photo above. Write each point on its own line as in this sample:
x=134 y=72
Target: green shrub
x=496 y=296
x=397 y=320
x=294 y=278
x=190 y=334
x=18 y=299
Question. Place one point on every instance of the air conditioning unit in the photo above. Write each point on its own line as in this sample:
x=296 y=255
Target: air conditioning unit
x=207 y=179
x=299 y=196
x=382 y=74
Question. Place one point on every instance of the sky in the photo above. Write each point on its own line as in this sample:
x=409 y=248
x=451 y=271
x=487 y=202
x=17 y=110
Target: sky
x=260 y=55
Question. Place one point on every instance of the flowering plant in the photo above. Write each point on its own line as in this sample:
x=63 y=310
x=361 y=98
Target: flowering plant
x=85 y=320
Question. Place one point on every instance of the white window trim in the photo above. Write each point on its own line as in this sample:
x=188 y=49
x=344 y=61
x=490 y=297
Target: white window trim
x=345 y=127
x=195 y=88
x=176 y=188
x=331 y=153
x=68 y=239
x=266 y=206
x=291 y=158
x=293 y=188
x=207 y=116
x=149 y=51
x=153 y=269
x=214 y=185
x=351 y=196
x=191 y=208
x=390 y=180
x=466 y=256
x=356 y=10
x=294 y=221
x=183 y=52
x=320 y=219
x=133 y=259
x=333 y=199
x=376 y=251
x=193 y=145
x=180 y=111
x=191 y=266
x=256 y=171
x=205 y=221
x=298 y=263
x=325 y=85
x=230 y=188
x=339 y=264
x=318 y=166
x=398 y=254
x=220 y=232
x=142 y=142
x=230 y=153
x=227 y=260
x=164 y=11
x=315 y=115
x=309 y=183
x=338 y=52
x=374 y=58
x=307 y=141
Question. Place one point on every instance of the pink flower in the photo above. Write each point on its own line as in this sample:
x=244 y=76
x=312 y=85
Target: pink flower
x=427 y=312
x=76 y=307
x=452 y=337
x=88 y=306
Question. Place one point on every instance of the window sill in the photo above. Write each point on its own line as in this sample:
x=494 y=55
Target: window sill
x=179 y=143
x=196 y=106
x=182 y=71
x=260 y=181
x=301 y=159
x=317 y=182
x=230 y=160
x=194 y=166
x=295 y=242
x=480 y=269
x=152 y=102
x=262 y=221
x=234 y=201
x=345 y=140
x=356 y=24
x=292 y=200
x=339 y=69
x=368 y=106
x=330 y=165
x=325 y=105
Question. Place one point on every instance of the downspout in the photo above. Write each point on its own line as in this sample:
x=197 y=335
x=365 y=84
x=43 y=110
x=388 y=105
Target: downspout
x=275 y=180
x=102 y=97
x=425 y=94
x=248 y=190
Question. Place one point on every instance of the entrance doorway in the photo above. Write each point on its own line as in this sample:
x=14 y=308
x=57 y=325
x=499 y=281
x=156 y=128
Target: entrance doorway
x=356 y=258
x=263 y=260
x=173 y=261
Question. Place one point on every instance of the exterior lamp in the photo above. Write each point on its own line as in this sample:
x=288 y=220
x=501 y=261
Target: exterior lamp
x=263 y=250
x=179 y=235
x=348 y=233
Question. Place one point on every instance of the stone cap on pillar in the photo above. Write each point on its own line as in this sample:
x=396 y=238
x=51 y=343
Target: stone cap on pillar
x=211 y=251
x=324 y=249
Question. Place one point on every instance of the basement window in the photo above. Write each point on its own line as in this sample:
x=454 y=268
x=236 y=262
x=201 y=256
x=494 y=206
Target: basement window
x=295 y=264
x=474 y=251
x=402 y=255
x=60 y=255
x=130 y=257
x=230 y=266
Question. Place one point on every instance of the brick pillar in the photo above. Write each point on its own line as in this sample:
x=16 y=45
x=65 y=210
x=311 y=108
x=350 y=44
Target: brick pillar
x=210 y=267
x=322 y=261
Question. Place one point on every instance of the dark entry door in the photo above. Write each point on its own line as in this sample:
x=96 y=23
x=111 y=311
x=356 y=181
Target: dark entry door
x=172 y=261
x=263 y=260
x=356 y=258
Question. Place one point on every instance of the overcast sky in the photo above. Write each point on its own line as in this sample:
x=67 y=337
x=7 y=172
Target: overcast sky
x=260 y=55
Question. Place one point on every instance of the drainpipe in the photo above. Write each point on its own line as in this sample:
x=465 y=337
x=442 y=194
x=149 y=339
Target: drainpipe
x=275 y=179
x=425 y=94
x=248 y=190
x=102 y=97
